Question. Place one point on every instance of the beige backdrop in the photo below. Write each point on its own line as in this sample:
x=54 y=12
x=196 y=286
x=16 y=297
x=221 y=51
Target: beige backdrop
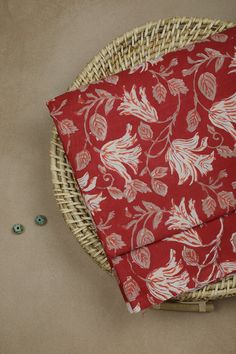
x=53 y=298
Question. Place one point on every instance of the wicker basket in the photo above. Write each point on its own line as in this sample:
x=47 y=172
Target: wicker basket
x=142 y=43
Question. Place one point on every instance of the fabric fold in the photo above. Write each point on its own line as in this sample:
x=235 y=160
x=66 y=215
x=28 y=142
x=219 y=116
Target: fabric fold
x=153 y=149
x=167 y=268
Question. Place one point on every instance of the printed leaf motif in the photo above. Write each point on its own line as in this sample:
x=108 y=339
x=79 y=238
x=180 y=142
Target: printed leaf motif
x=212 y=53
x=190 y=256
x=177 y=86
x=82 y=159
x=193 y=119
x=112 y=79
x=102 y=169
x=144 y=237
x=114 y=242
x=159 y=92
x=189 y=71
x=219 y=63
x=207 y=85
x=190 y=47
x=141 y=257
x=67 y=126
x=226 y=199
x=159 y=172
x=159 y=187
x=131 y=288
x=109 y=105
x=211 y=129
x=98 y=126
x=102 y=93
x=208 y=206
x=145 y=131
x=134 y=186
x=151 y=207
x=157 y=219
x=219 y=37
x=155 y=210
x=116 y=193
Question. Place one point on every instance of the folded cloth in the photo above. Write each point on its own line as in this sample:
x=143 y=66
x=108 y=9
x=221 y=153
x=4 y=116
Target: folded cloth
x=153 y=149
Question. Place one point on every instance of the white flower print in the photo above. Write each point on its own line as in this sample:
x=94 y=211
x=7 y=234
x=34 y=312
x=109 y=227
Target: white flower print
x=116 y=153
x=188 y=237
x=140 y=108
x=93 y=201
x=223 y=114
x=182 y=219
x=183 y=157
x=114 y=242
x=166 y=282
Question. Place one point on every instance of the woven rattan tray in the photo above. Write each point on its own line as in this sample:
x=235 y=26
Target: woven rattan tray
x=142 y=43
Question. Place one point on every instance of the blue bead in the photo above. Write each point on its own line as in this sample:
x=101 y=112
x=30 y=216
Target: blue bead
x=40 y=220
x=18 y=229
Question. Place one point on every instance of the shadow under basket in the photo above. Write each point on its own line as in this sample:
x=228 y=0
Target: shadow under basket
x=134 y=47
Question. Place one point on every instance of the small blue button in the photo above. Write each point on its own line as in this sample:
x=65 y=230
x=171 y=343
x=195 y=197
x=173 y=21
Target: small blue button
x=18 y=229
x=40 y=220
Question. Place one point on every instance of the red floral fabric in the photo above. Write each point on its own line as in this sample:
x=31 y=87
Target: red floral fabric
x=153 y=149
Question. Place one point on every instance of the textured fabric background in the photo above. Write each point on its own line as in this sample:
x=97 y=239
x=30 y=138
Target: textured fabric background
x=53 y=298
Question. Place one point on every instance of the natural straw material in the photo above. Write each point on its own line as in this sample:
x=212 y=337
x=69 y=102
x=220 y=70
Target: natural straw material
x=142 y=43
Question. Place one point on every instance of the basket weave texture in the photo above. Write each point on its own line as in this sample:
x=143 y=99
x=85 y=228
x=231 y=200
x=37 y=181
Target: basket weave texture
x=134 y=47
